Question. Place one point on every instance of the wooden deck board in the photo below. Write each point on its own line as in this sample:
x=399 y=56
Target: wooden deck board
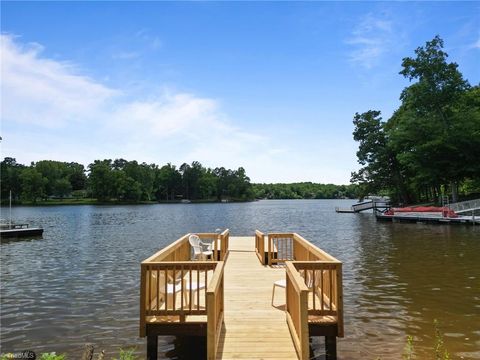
x=253 y=328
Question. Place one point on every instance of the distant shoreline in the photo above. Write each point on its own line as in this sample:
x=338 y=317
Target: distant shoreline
x=77 y=202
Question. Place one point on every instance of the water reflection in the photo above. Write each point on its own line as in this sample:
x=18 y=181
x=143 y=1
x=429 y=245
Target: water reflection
x=80 y=282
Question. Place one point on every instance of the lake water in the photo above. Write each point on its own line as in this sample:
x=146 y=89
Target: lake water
x=80 y=282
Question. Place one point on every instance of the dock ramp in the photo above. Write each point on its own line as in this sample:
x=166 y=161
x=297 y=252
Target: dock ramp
x=365 y=205
x=465 y=206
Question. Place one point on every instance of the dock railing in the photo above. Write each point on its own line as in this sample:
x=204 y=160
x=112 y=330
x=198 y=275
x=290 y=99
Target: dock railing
x=219 y=243
x=260 y=246
x=297 y=311
x=314 y=288
x=173 y=287
x=465 y=206
x=215 y=310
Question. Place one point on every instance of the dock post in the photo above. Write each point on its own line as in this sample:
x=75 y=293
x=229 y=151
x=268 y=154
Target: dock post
x=331 y=347
x=152 y=347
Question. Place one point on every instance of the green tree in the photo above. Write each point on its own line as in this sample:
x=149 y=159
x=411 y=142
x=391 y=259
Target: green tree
x=167 y=182
x=381 y=169
x=33 y=184
x=435 y=99
x=431 y=142
x=101 y=179
x=207 y=184
x=76 y=176
x=10 y=172
x=62 y=187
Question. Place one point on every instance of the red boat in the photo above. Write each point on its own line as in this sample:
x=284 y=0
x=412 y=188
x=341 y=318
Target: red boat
x=430 y=211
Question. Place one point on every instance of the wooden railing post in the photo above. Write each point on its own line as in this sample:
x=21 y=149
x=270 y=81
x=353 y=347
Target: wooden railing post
x=341 y=330
x=269 y=256
x=215 y=303
x=211 y=325
x=260 y=246
x=143 y=277
x=303 y=315
x=297 y=311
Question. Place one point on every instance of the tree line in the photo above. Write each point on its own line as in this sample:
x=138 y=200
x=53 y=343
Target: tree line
x=121 y=180
x=430 y=147
x=304 y=190
x=130 y=181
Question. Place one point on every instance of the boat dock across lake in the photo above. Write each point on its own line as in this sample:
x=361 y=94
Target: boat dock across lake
x=19 y=230
x=230 y=299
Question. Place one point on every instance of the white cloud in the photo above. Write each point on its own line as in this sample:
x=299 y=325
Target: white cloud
x=51 y=111
x=371 y=39
x=167 y=114
x=39 y=91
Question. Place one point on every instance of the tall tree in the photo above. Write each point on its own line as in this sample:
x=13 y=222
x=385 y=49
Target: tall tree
x=380 y=166
x=101 y=179
x=10 y=172
x=431 y=142
x=167 y=182
x=33 y=184
x=434 y=99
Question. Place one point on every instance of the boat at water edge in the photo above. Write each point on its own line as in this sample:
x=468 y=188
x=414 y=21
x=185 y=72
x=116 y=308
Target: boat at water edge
x=9 y=230
x=423 y=214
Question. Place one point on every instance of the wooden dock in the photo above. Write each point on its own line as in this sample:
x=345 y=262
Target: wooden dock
x=253 y=329
x=19 y=230
x=229 y=301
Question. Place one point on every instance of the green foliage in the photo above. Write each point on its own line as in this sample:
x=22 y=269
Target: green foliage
x=305 y=190
x=101 y=179
x=122 y=180
x=52 y=356
x=33 y=184
x=408 y=351
x=10 y=172
x=127 y=354
x=61 y=177
x=431 y=143
x=440 y=352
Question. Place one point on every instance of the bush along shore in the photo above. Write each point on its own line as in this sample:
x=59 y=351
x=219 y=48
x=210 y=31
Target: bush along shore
x=88 y=354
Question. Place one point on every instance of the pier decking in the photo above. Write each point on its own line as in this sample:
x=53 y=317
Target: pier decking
x=229 y=301
x=253 y=329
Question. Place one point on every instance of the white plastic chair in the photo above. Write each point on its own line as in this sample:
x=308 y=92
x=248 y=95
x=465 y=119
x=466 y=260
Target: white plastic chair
x=198 y=252
x=194 y=288
x=283 y=283
x=172 y=288
x=280 y=283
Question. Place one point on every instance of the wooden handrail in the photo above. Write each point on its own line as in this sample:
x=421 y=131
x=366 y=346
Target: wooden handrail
x=173 y=285
x=215 y=310
x=320 y=269
x=164 y=264
x=260 y=246
x=280 y=248
x=319 y=253
x=172 y=288
x=171 y=250
x=224 y=241
x=219 y=243
x=295 y=276
x=216 y=278
x=297 y=310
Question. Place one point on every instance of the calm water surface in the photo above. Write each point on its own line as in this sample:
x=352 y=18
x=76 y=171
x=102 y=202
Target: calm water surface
x=80 y=282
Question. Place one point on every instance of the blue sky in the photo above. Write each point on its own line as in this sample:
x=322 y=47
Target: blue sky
x=270 y=86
